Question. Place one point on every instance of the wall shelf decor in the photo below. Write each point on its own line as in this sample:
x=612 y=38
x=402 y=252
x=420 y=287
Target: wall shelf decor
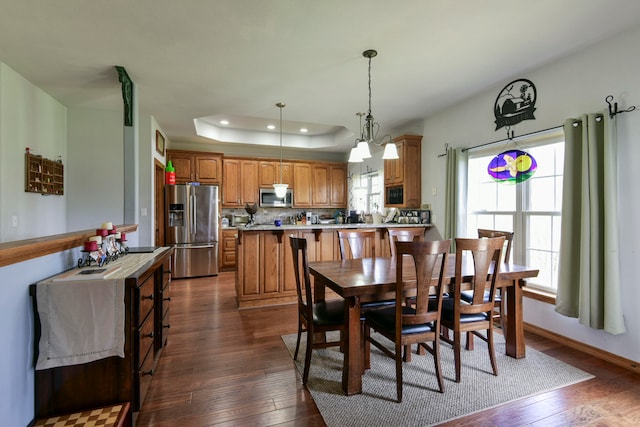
x=42 y=175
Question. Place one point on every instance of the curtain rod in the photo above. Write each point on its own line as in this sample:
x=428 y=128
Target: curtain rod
x=517 y=138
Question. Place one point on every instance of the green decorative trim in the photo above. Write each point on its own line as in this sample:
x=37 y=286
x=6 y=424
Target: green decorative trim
x=127 y=95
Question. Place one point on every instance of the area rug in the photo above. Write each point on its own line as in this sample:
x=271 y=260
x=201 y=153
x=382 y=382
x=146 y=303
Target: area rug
x=422 y=404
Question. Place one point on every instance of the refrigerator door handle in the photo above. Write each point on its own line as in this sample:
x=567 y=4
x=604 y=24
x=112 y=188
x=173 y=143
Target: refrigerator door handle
x=192 y=198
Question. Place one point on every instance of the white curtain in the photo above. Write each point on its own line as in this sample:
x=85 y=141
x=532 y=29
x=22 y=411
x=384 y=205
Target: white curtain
x=589 y=272
x=456 y=195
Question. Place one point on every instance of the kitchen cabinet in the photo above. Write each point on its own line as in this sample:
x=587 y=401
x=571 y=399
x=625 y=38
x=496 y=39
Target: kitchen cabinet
x=402 y=176
x=319 y=185
x=270 y=173
x=67 y=389
x=265 y=268
x=228 y=249
x=240 y=182
x=302 y=184
x=196 y=166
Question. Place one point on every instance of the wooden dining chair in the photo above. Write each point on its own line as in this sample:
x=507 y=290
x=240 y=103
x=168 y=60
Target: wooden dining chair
x=409 y=234
x=500 y=301
x=461 y=316
x=358 y=243
x=313 y=317
x=355 y=244
x=403 y=235
x=405 y=325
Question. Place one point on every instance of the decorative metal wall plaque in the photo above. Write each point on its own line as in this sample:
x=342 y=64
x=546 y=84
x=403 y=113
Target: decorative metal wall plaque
x=515 y=103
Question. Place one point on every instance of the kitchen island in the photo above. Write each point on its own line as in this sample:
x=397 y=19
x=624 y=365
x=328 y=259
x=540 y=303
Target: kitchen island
x=264 y=274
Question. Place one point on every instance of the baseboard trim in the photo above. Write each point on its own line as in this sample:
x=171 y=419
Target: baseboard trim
x=585 y=348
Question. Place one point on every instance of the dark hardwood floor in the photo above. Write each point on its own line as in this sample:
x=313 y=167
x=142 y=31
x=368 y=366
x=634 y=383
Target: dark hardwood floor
x=226 y=367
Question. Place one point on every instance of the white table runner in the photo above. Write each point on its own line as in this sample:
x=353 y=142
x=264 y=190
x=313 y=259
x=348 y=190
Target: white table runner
x=83 y=320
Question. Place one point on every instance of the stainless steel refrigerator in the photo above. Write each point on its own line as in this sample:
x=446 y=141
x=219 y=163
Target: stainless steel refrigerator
x=192 y=229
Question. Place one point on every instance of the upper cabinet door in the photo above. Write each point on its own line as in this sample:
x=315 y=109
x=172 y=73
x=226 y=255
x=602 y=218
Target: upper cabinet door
x=208 y=168
x=338 y=189
x=321 y=183
x=302 y=193
x=184 y=166
x=249 y=181
x=231 y=183
x=270 y=173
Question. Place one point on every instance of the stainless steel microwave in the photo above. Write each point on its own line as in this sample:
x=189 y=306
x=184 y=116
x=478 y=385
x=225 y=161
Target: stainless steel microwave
x=268 y=199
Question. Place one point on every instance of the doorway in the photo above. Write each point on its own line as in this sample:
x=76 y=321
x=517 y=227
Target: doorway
x=159 y=202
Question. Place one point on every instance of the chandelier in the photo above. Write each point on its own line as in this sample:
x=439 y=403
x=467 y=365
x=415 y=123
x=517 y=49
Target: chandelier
x=280 y=189
x=369 y=134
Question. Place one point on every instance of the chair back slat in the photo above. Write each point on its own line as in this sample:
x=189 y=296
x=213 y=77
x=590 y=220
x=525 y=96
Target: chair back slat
x=508 y=239
x=355 y=244
x=404 y=235
x=485 y=255
x=429 y=259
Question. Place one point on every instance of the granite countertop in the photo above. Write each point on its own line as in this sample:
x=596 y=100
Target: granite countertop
x=272 y=227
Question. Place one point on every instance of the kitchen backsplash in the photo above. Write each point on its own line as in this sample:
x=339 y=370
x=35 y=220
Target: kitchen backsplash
x=269 y=215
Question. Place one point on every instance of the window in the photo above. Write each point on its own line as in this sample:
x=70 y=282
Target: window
x=367 y=191
x=531 y=209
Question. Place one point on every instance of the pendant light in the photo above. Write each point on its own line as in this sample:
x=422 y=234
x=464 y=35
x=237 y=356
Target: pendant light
x=280 y=189
x=371 y=127
x=356 y=154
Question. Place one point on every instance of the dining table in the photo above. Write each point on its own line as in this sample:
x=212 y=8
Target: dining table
x=365 y=279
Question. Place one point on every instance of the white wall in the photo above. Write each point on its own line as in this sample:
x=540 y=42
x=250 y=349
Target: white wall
x=566 y=88
x=95 y=176
x=28 y=118
x=91 y=145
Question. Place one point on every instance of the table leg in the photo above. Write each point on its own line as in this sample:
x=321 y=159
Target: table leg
x=354 y=349
x=515 y=346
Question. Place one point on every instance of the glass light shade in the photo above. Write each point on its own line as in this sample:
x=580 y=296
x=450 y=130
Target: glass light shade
x=281 y=190
x=355 y=156
x=390 y=151
x=363 y=148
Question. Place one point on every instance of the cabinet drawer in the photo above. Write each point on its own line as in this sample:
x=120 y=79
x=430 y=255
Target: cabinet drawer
x=146 y=297
x=144 y=377
x=145 y=340
x=229 y=244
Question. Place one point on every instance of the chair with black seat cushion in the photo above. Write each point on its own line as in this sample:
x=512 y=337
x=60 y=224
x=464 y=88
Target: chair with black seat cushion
x=356 y=244
x=409 y=234
x=500 y=301
x=405 y=325
x=313 y=317
x=460 y=316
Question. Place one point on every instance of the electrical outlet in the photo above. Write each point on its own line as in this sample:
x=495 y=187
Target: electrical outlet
x=14 y=221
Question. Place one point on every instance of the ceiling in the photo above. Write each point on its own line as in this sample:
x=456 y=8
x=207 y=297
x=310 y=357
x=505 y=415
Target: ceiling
x=235 y=59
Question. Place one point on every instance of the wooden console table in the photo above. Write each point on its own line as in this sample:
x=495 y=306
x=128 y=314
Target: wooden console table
x=103 y=382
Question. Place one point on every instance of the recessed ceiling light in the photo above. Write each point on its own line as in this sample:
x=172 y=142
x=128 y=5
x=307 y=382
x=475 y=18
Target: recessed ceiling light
x=304 y=130
x=271 y=127
x=224 y=122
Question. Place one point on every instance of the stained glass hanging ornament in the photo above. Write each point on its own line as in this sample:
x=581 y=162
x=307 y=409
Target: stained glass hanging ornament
x=512 y=167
